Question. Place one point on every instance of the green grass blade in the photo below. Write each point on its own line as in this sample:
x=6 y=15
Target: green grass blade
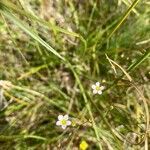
x=124 y=18
x=29 y=31
x=13 y=7
x=139 y=61
x=87 y=104
x=14 y=137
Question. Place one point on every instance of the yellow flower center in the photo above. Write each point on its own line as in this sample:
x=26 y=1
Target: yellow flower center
x=98 y=88
x=83 y=145
x=63 y=122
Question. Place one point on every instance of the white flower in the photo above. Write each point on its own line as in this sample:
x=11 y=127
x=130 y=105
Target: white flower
x=63 y=121
x=97 y=89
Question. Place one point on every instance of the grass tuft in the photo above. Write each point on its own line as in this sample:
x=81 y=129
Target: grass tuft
x=51 y=55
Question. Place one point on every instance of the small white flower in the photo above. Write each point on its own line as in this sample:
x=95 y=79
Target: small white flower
x=97 y=89
x=63 y=121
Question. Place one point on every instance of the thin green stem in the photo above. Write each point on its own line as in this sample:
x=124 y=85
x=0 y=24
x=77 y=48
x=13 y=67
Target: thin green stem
x=86 y=102
x=14 y=137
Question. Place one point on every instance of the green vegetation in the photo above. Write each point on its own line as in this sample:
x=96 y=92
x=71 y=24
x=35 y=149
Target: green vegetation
x=52 y=52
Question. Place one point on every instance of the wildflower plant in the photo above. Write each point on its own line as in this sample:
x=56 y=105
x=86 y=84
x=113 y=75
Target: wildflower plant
x=97 y=88
x=63 y=121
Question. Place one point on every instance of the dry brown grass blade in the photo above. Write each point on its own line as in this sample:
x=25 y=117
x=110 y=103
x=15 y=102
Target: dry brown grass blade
x=146 y=114
x=113 y=67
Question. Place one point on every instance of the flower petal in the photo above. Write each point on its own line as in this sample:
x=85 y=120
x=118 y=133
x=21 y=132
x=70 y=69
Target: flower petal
x=66 y=117
x=63 y=126
x=99 y=92
x=93 y=86
x=60 y=117
x=68 y=123
x=102 y=87
x=94 y=91
x=58 y=123
x=97 y=84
